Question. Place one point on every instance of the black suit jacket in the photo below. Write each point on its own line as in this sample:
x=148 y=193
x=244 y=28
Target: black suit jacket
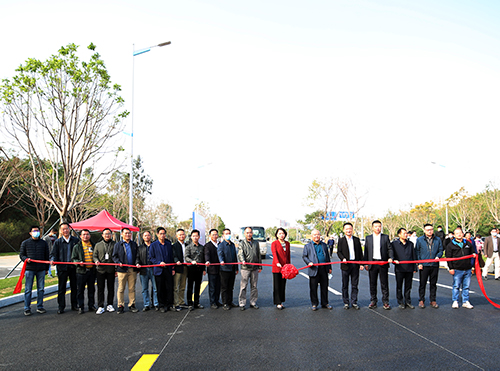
x=385 y=248
x=211 y=257
x=343 y=251
x=178 y=257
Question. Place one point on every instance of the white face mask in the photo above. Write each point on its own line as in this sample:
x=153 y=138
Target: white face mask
x=494 y=234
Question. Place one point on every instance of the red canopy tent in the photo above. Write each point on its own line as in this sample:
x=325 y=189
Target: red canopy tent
x=101 y=221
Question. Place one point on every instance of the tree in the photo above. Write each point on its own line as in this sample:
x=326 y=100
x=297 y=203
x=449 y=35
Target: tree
x=466 y=211
x=324 y=197
x=8 y=177
x=492 y=201
x=424 y=213
x=212 y=221
x=64 y=112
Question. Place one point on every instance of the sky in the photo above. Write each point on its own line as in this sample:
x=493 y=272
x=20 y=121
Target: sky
x=252 y=101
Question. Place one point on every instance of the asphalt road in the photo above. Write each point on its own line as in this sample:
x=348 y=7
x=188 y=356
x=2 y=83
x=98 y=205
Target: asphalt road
x=294 y=338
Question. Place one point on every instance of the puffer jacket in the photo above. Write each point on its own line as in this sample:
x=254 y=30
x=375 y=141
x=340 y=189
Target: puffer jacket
x=249 y=252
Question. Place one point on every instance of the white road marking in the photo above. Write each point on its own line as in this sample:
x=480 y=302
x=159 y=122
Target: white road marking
x=429 y=340
x=438 y=284
x=335 y=292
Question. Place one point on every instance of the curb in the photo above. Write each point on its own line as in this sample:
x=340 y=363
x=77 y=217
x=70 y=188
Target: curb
x=19 y=298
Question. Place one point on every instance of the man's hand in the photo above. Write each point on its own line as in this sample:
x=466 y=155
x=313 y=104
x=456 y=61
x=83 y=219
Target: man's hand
x=452 y=272
x=28 y=260
x=366 y=267
x=162 y=264
x=396 y=261
x=121 y=265
x=390 y=260
x=179 y=263
x=81 y=264
x=207 y=264
x=236 y=272
x=52 y=262
x=420 y=266
x=310 y=264
x=97 y=263
x=222 y=263
x=344 y=260
x=361 y=268
x=436 y=258
x=329 y=271
x=138 y=265
x=204 y=272
x=260 y=270
x=193 y=262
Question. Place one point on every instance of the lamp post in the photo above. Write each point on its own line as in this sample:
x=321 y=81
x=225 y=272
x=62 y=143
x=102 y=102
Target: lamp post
x=131 y=186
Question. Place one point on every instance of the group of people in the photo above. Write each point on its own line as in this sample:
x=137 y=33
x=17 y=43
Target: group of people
x=176 y=278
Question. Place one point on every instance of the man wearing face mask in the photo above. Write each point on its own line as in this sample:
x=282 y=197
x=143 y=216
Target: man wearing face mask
x=227 y=254
x=490 y=248
x=37 y=249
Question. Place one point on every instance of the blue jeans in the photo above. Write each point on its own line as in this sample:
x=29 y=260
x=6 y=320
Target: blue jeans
x=461 y=278
x=40 y=288
x=145 y=288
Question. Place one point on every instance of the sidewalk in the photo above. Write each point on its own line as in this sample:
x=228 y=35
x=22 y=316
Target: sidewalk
x=7 y=263
x=19 y=298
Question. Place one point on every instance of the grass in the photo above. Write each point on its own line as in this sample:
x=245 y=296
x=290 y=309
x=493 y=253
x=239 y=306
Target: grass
x=8 y=285
x=9 y=253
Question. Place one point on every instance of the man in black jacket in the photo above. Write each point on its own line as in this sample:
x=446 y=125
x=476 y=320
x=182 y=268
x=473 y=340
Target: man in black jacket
x=61 y=252
x=211 y=257
x=85 y=272
x=461 y=270
x=378 y=248
x=349 y=249
x=179 y=249
x=37 y=249
x=146 y=273
x=403 y=250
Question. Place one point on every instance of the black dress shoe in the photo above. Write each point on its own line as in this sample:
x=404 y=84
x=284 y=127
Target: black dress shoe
x=145 y=309
x=214 y=306
x=355 y=306
x=328 y=306
x=346 y=306
x=162 y=310
x=80 y=311
x=60 y=311
x=226 y=307
x=75 y=309
x=234 y=305
x=255 y=306
x=92 y=308
x=199 y=306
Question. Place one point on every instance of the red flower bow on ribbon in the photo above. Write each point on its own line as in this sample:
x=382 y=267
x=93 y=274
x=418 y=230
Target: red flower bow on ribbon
x=289 y=271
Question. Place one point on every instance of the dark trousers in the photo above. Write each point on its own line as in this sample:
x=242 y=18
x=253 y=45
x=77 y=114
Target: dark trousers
x=165 y=288
x=105 y=279
x=214 y=288
x=374 y=272
x=227 y=287
x=407 y=278
x=61 y=291
x=431 y=274
x=320 y=278
x=82 y=280
x=353 y=273
x=194 y=278
x=279 y=285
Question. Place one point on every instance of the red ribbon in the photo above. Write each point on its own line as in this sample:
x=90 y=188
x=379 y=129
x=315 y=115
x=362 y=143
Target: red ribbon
x=481 y=285
x=19 y=284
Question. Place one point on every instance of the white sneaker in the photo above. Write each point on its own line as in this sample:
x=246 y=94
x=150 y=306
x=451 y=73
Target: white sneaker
x=110 y=308
x=100 y=310
x=455 y=305
x=467 y=305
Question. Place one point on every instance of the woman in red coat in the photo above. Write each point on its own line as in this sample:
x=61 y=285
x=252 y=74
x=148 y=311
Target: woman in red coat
x=281 y=256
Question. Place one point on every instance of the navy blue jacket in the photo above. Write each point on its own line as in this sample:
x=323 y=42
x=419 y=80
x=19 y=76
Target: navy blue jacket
x=59 y=252
x=403 y=253
x=120 y=255
x=227 y=254
x=423 y=252
x=161 y=253
x=309 y=255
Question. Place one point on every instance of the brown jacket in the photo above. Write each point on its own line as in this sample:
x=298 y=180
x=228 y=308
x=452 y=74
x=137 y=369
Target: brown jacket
x=488 y=246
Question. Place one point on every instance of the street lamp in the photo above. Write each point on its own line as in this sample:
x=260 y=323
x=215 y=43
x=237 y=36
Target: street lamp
x=435 y=163
x=135 y=53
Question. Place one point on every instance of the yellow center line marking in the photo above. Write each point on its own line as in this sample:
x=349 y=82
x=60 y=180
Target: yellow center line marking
x=145 y=362
x=46 y=298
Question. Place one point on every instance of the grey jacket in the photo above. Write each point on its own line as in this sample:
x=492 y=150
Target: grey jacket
x=101 y=249
x=249 y=251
